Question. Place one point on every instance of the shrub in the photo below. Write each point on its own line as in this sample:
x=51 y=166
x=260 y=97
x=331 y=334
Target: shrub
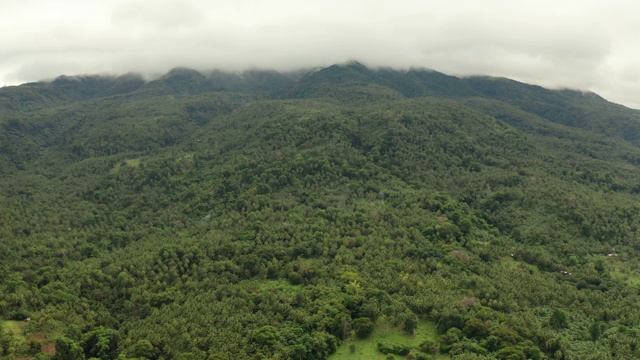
x=396 y=349
x=428 y=346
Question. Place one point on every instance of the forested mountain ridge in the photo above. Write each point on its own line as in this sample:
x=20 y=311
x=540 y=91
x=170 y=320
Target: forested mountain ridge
x=285 y=216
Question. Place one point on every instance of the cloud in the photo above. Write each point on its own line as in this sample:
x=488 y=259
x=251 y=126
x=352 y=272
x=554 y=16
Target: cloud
x=587 y=45
x=160 y=15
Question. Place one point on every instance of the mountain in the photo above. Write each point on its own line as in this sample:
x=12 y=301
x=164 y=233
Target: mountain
x=64 y=90
x=345 y=212
x=572 y=108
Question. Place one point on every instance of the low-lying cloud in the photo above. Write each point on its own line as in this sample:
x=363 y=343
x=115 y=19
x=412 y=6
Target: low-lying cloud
x=586 y=45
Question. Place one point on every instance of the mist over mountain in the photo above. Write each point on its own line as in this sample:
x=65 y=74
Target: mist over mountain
x=340 y=213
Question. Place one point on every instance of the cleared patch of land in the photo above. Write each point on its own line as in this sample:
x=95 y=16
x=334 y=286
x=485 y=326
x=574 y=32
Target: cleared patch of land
x=17 y=329
x=129 y=162
x=367 y=349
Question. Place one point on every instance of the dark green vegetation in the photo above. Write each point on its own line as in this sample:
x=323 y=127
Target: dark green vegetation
x=272 y=216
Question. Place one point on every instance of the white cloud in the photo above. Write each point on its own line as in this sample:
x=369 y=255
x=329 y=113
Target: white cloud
x=588 y=45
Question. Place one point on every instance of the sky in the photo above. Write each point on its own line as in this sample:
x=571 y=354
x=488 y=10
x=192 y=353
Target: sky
x=586 y=45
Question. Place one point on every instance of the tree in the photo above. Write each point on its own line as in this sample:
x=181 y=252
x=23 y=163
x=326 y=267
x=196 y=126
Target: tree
x=34 y=347
x=363 y=327
x=101 y=343
x=475 y=328
x=6 y=342
x=595 y=330
x=511 y=353
x=410 y=323
x=559 y=319
x=599 y=266
x=266 y=335
x=142 y=349
x=452 y=336
x=67 y=349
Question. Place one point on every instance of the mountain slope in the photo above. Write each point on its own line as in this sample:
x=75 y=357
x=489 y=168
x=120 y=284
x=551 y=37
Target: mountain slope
x=182 y=220
x=572 y=108
x=64 y=90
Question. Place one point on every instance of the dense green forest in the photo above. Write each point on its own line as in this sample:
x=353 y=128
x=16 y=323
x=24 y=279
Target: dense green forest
x=263 y=215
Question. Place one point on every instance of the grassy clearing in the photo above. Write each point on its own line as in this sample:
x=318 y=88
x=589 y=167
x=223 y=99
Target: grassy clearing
x=516 y=265
x=14 y=327
x=621 y=269
x=129 y=162
x=133 y=162
x=367 y=349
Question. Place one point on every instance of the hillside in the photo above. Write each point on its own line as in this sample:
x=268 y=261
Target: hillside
x=301 y=216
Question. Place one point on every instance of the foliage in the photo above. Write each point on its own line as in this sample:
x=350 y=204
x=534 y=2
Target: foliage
x=396 y=349
x=281 y=216
x=68 y=349
x=363 y=327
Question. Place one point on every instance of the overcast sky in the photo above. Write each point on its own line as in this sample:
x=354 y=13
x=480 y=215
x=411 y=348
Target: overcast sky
x=587 y=45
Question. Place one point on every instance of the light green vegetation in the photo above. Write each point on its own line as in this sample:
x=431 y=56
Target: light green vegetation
x=622 y=268
x=12 y=338
x=14 y=327
x=363 y=349
x=511 y=263
x=127 y=162
x=132 y=162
